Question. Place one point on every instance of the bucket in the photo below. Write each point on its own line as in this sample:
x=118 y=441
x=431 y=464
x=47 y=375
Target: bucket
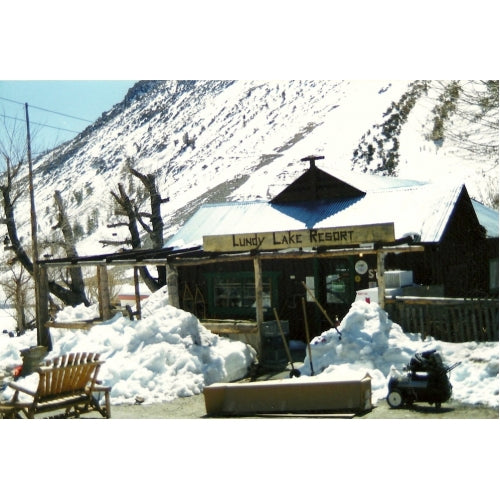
x=32 y=358
x=273 y=352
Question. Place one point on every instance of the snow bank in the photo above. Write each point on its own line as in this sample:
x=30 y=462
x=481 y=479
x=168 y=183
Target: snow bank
x=166 y=355
x=369 y=342
x=170 y=354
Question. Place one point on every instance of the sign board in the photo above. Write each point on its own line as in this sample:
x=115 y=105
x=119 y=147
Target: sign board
x=304 y=238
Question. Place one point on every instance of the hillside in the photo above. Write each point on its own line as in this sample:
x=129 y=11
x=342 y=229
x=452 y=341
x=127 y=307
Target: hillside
x=209 y=141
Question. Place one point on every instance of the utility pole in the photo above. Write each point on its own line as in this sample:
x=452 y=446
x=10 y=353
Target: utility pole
x=43 y=336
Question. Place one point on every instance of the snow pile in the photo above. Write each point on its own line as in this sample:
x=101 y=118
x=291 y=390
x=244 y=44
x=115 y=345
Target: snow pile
x=170 y=354
x=166 y=355
x=367 y=341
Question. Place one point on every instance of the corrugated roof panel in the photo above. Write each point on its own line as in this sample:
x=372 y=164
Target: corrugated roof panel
x=423 y=210
x=488 y=218
x=229 y=218
x=312 y=213
x=418 y=208
x=256 y=216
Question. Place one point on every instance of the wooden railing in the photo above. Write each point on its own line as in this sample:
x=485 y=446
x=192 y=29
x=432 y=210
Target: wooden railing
x=446 y=319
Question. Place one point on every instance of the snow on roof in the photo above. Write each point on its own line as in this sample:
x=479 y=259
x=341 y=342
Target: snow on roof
x=488 y=218
x=253 y=216
x=371 y=182
x=422 y=209
x=414 y=207
x=127 y=289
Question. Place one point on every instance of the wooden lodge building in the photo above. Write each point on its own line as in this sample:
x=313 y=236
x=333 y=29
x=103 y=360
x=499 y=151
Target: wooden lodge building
x=335 y=238
x=304 y=255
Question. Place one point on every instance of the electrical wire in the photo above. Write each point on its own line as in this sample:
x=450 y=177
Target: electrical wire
x=41 y=124
x=47 y=110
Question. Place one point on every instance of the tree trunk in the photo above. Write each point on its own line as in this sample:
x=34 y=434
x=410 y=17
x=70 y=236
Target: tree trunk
x=125 y=203
x=10 y=222
x=70 y=296
x=156 y=230
x=77 y=284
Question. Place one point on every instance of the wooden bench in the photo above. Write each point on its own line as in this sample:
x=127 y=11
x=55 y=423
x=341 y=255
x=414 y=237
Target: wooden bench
x=68 y=383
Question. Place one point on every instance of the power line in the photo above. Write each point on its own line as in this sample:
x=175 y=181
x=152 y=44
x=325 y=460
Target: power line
x=41 y=124
x=47 y=110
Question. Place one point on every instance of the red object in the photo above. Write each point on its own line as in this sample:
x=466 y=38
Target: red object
x=17 y=370
x=367 y=299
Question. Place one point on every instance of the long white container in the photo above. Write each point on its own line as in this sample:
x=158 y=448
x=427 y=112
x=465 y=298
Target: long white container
x=397 y=279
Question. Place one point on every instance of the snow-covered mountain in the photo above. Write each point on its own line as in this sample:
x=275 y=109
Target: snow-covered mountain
x=209 y=141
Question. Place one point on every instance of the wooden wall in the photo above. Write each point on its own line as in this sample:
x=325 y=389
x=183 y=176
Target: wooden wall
x=459 y=261
x=449 y=320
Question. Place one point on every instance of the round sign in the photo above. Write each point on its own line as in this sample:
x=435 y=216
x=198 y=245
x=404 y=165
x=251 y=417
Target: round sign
x=361 y=267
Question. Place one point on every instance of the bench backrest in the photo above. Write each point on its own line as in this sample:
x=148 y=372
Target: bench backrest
x=68 y=373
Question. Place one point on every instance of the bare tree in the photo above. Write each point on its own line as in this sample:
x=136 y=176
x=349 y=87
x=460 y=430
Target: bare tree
x=461 y=113
x=11 y=190
x=116 y=278
x=150 y=221
x=465 y=113
x=13 y=141
x=16 y=285
x=76 y=283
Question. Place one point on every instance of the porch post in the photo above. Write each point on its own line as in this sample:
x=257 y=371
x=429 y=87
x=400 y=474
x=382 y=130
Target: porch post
x=137 y=293
x=43 y=308
x=103 y=288
x=380 y=278
x=173 y=286
x=259 y=309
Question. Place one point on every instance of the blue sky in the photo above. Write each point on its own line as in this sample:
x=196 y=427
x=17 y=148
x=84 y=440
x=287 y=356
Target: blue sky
x=82 y=99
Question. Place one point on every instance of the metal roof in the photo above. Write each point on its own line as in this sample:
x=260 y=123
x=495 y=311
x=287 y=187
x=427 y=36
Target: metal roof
x=418 y=209
x=414 y=207
x=254 y=216
x=488 y=218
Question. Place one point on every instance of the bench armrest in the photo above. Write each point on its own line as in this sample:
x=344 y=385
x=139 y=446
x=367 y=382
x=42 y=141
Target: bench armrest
x=19 y=388
x=101 y=388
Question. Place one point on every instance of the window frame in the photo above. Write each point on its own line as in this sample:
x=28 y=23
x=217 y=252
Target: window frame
x=243 y=279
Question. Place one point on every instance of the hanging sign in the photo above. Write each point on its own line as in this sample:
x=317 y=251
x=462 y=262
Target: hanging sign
x=306 y=238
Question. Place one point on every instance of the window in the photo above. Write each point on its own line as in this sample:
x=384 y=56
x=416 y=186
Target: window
x=337 y=291
x=233 y=294
x=493 y=275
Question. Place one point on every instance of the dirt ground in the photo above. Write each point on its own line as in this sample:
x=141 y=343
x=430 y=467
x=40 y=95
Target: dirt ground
x=194 y=408
x=450 y=409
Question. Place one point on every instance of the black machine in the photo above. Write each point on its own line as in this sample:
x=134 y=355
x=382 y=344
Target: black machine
x=426 y=380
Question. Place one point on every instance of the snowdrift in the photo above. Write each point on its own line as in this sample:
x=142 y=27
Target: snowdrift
x=170 y=354
x=166 y=355
x=367 y=341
